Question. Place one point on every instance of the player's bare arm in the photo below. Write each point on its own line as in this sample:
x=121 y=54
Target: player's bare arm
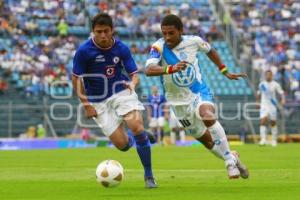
x=157 y=70
x=90 y=111
x=215 y=58
x=133 y=83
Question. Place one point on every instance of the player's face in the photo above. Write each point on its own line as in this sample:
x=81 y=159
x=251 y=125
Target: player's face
x=103 y=35
x=269 y=76
x=171 y=35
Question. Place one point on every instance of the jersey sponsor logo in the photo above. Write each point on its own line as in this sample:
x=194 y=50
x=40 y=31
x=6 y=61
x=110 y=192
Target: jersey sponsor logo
x=100 y=58
x=182 y=55
x=116 y=59
x=185 y=78
x=154 y=53
x=110 y=71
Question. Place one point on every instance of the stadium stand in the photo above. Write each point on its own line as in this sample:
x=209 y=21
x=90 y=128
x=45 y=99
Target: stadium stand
x=39 y=38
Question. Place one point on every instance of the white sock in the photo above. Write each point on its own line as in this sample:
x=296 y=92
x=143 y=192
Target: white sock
x=263 y=133
x=173 y=137
x=182 y=136
x=221 y=148
x=274 y=131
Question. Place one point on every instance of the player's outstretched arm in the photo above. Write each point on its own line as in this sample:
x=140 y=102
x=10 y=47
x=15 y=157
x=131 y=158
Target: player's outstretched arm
x=157 y=70
x=79 y=89
x=215 y=58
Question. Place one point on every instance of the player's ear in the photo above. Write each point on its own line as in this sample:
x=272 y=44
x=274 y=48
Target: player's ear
x=181 y=31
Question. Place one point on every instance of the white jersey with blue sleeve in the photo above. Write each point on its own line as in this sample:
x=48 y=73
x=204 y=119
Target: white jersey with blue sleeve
x=185 y=86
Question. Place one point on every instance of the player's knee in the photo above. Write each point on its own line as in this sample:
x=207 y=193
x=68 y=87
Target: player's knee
x=263 y=122
x=122 y=145
x=209 y=123
x=138 y=128
x=273 y=123
x=209 y=144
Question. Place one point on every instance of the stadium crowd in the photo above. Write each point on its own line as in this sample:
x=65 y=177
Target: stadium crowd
x=41 y=36
x=40 y=44
x=272 y=28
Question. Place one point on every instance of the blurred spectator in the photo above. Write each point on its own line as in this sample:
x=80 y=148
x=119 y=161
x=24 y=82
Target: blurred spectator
x=41 y=131
x=62 y=28
x=3 y=86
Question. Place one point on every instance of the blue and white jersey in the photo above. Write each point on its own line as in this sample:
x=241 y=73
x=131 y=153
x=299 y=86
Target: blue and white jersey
x=185 y=86
x=102 y=69
x=268 y=92
x=157 y=103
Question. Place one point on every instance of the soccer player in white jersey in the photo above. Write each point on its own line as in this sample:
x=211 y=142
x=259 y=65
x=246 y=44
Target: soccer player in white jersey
x=268 y=107
x=175 y=58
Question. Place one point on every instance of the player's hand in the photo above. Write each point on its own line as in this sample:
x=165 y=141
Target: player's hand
x=129 y=85
x=236 y=76
x=282 y=102
x=90 y=111
x=180 y=66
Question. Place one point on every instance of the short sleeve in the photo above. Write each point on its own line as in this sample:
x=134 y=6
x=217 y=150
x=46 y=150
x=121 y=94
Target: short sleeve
x=128 y=62
x=154 y=56
x=79 y=63
x=202 y=45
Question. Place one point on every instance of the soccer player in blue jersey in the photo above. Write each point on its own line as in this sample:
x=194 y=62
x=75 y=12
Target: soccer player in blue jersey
x=155 y=110
x=175 y=58
x=108 y=94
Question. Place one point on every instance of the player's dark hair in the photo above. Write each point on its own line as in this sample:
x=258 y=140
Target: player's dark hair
x=269 y=71
x=172 y=20
x=102 y=19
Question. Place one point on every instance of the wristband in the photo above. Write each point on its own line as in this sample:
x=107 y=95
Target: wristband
x=168 y=69
x=223 y=69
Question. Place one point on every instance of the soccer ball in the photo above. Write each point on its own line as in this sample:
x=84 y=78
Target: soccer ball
x=109 y=173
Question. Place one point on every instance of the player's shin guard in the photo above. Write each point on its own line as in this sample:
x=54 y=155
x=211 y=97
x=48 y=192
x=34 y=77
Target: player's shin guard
x=221 y=148
x=144 y=150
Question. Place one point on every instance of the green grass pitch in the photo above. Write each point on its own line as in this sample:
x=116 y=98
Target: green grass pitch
x=181 y=172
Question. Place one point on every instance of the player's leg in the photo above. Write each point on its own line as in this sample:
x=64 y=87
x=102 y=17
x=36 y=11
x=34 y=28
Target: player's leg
x=263 y=130
x=274 y=129
x=173 y=124
x=220 y=144
x=182 y=135
x=134 y=122
x=153 y=135
x=160 y=132
x=221 y=147
x=120 y=139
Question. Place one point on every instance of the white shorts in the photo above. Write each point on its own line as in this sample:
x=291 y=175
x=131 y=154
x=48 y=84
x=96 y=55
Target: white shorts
x=111 y=111
x=269 y=111
x=157 y=122
x=189 y=117
x=173 y=121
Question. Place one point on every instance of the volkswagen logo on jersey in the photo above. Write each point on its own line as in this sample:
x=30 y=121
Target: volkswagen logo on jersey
x=185 y=78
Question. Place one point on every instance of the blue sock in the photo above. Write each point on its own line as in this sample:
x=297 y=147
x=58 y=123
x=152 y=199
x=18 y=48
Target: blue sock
x=144 y=150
